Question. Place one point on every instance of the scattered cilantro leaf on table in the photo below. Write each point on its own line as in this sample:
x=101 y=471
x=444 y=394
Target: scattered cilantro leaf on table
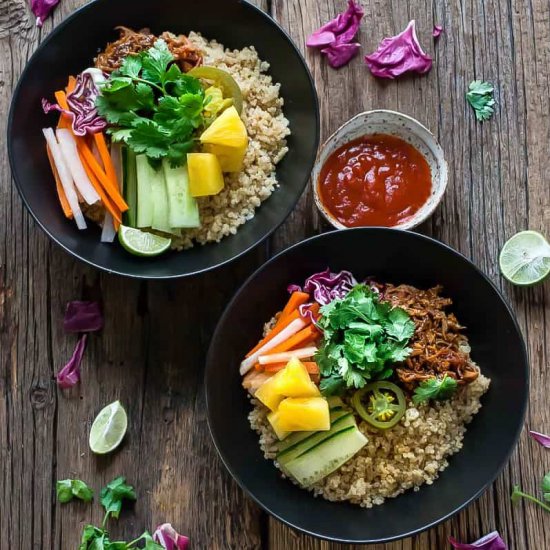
x=518 y=494
x=152 y=106
x=67 y=489
x=114 y=493
x=362 y=338
x=437 y=389
x=480 y=97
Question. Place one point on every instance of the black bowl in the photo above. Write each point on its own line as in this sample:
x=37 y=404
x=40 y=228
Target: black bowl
x=71 y=47
x=392 y=256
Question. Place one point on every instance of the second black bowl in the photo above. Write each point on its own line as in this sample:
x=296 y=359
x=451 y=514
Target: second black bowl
x=390 y=256
x=71 y=47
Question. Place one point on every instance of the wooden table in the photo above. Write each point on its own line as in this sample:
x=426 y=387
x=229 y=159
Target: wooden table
x=151 y=353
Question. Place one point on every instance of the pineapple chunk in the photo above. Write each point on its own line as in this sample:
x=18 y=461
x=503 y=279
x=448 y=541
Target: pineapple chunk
x=294 y=381
x=226 y=138
x=205 y=174
x=268 y=394
x=273 y=418
x=303 y=414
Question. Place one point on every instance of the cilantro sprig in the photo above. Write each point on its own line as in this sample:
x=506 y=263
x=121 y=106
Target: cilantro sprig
x=67 y=489
x=518 y=494
x=362 y=338
x=480 y=97
x=438 y=389
x=152 y=106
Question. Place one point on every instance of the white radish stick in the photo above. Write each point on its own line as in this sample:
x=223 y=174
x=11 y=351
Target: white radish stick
x=108 y=232
x=285 y=334
x=285 y=356
x=65 y=177
x=67 y=144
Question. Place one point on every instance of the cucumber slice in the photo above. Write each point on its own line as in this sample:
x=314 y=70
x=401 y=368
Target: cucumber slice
x=183 y=207
x=129 y=178
x=159 y=195
x=334 y=401
x=296 y=437
x=326 y=457
x=344 y=422
x=145 y=174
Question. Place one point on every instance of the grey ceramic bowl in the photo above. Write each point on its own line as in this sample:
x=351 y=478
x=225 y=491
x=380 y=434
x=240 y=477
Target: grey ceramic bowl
x=395 y=124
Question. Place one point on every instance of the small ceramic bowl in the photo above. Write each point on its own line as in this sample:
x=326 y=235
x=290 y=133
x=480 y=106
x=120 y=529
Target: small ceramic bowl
x=394 y=124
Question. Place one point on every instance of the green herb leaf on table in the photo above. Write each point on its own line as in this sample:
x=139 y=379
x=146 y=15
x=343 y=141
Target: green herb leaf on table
x=480 y=97
x=114 y=493
x=518 y=494
x=437 y=389
x=362 y=338
x=67 y=489
x=546 y=487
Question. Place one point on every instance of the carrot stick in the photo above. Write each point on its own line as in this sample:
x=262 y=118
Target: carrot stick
x=295 y=301
x=64 y=120
x=311 y=367
x=71 y=85
x=107 y=203
x=273 y=332
x=59 y=187
x=108 y=184
x=99 y=139
x=298 y=339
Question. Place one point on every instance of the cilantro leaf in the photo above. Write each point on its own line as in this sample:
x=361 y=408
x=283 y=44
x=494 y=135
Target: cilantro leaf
x=437 y=389
x=480 y=97
x=131 y=66
x=93 y=538
x=149 y=138
x=150 y=544
x=546 y=487
x=155 y=62
x=332 y=385
x=67 y=489
x=399 y=325
x=114 y=493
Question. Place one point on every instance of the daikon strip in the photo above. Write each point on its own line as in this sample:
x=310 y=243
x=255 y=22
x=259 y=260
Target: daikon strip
x=65 y=177
x=108 y=233
x=303 y=353
x=287 y=332
x=67 y=144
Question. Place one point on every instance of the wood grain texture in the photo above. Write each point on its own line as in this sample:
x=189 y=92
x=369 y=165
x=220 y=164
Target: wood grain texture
x=151 y=353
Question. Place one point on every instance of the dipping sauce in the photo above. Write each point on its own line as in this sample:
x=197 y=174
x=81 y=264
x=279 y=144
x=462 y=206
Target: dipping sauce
x=376 y=180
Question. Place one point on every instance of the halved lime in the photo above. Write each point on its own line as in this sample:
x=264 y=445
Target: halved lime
x=108 y=429
x=525 y=258
x=142 y=243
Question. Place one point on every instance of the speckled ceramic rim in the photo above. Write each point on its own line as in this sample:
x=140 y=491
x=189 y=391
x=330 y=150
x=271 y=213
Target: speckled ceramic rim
x=399 y=125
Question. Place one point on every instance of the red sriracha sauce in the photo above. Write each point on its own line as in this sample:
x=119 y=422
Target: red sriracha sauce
x=376 y=180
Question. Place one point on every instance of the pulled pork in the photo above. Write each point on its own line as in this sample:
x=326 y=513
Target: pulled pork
x=133 y=42
x=438 y=346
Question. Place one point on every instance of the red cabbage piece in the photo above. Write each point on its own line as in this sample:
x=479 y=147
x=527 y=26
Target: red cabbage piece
x=326 y=286
x=83 y=317
x=438 y=30
x=81 y=101
x=69 y=375
x=492 y=541
x=306 y=312
x=334 y=39
x=543 y=439
x=169 y=538
x=42 y=8
x=399 y=55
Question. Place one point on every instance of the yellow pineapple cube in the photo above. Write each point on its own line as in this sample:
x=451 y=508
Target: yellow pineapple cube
x=231 y=158
x=273 y=418
x=294 y=381
x=303 y=414
x=268 y=393
x=205 y=174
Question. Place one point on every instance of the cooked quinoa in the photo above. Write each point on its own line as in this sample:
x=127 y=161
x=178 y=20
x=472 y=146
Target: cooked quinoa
x=405 y=457
x=222 y=214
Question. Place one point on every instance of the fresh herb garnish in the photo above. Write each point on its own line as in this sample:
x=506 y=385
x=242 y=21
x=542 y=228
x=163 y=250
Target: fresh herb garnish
x=362 y=338
x=437 y=389
x=480 y=97
x=67 y=489
x=113 y=494
x=518 y=494
x=152 y=106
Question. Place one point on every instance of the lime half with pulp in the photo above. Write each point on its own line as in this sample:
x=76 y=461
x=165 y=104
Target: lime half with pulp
x=142 y=243
x=108 y=429
x=525 y=258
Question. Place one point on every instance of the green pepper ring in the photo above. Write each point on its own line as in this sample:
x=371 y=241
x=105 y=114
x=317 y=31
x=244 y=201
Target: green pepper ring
x=379 y=404
x=224 y=80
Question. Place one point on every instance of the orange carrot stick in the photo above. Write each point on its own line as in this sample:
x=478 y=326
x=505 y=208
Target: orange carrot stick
x=101 y=145
x=64 y=120
x=60 y=191
x=71 y=85
x=295 y=301
x=305 y=335
x=311 y=367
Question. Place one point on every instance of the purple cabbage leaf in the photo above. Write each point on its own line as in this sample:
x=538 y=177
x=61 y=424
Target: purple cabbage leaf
x=438 y=30
x=169 y=538
x=42 y=8
x=81 y=316
x=543 y=439
x=69 y=375
x=327 y=286
x=492 y=541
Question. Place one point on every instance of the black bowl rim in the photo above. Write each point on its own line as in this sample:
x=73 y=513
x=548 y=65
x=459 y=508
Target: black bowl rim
x=474 y=497
x=67 y=21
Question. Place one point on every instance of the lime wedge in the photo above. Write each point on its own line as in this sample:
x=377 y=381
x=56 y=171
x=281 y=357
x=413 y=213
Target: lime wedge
x=108 y=429
x=141 y=243
x=525 y=258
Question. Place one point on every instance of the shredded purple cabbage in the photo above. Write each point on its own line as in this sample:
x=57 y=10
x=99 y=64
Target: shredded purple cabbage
x=399 y=54
x=438 y=30
x=83 y=317
x=42 y=8
x=69 y=375
x=82 y=110
x=306 y=312
x=169 y=538
x=334 y=39
x=326 y=286
x=492 y=541
x=543 y=439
